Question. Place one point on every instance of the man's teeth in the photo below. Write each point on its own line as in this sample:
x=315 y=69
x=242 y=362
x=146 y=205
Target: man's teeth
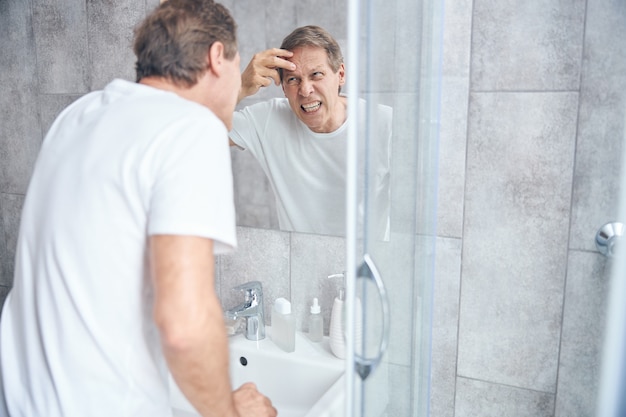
x=311 y=106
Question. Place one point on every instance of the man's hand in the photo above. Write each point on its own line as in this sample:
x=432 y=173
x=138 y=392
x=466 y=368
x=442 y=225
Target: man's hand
x=262 y=69
x=251 y=403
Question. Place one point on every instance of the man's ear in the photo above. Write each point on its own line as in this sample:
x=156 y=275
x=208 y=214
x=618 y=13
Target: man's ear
x=342 y=74
x=216 y=57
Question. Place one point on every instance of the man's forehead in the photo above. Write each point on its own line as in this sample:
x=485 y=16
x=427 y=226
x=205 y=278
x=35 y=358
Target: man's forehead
x=307 y=62
x=306 y=67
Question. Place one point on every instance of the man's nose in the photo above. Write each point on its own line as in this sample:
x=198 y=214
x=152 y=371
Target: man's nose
x=306 y=88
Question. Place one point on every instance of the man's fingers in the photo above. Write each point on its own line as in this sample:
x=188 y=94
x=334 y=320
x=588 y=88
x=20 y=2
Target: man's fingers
x=263 y=69
x=277 y=62
x=264 y=81
x=274 y=58
x=265 y=75
x=274 y=76
x=279 y=52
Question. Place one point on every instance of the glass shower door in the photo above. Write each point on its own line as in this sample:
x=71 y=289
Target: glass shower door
x=391 y=251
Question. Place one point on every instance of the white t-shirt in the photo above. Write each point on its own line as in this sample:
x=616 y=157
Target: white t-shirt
x=307 y=170
x=77 y=336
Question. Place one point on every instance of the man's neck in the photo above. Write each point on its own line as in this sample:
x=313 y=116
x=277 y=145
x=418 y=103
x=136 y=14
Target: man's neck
x=161 y=83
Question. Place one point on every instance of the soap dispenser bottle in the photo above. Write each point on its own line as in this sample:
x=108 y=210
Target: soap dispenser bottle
x=316 y=323
x=336 y=334
x=283 y=325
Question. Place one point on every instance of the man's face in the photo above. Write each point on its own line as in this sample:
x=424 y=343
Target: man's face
x=313 y=90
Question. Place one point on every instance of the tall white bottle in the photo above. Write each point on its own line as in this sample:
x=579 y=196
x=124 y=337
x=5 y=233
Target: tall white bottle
x=283 y=325
x=336 y=335
x=337 y=332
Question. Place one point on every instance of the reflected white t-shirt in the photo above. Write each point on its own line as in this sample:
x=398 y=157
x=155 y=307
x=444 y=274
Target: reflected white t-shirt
x=307 y=170
x=77 y=336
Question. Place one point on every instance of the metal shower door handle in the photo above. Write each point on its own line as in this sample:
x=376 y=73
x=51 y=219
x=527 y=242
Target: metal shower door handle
x=365 y=366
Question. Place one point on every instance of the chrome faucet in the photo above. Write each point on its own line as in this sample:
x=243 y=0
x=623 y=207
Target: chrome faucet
x=251 y=310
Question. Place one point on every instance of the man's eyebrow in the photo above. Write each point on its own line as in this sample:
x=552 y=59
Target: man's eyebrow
x=312 y=70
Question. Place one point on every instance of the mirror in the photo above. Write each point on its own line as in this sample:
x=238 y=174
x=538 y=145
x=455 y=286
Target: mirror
x=296 y=181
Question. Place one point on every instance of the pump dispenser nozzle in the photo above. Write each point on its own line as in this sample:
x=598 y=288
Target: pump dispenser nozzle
x=342 y=287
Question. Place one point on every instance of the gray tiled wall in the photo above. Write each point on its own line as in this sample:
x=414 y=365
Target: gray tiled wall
x=532 y=108
x=515 y=160
x=531 y=46
x=545 y=106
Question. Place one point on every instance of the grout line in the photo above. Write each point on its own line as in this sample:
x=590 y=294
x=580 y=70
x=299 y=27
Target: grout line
x=465 y=186
x=568 y=250
x=484 y=381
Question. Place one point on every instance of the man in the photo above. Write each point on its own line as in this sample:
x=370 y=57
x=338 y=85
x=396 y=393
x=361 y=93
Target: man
x=130 y=199
x=300 y=140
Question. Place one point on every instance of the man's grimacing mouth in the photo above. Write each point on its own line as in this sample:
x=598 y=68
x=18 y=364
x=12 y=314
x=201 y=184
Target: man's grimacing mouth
x=311 y=107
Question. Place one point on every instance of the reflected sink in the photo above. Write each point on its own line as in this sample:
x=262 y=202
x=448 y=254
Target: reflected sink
x=304 y=383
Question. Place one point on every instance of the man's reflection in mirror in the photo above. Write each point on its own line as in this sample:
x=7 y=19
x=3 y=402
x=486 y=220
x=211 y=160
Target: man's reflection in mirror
x=300 y=141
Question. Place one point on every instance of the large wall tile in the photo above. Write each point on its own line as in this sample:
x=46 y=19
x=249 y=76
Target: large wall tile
x=520 y=161
x=601 y=126
x=20 y=135
x=262 y=255
x=110 y=30
x=531 y=45
x=60 y=28
x=586 y=297
x=482 y=399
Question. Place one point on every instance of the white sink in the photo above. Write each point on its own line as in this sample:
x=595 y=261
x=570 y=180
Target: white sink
x=304 y=383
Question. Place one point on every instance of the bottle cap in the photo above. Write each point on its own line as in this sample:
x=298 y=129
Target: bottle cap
x=315 y=308
x=282 y=305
